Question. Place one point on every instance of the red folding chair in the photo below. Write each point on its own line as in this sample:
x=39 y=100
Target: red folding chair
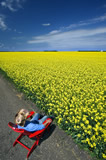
x=37 y=135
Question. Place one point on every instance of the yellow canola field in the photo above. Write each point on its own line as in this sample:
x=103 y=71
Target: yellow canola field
x=68 y=85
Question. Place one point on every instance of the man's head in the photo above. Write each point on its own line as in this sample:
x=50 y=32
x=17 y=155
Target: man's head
x=24 y=112
x=21 y=116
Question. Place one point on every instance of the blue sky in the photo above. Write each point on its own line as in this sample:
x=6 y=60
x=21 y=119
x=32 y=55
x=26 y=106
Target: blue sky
x=63 y=25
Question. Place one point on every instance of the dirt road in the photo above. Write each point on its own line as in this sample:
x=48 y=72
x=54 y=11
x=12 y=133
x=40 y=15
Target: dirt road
x=55 y=146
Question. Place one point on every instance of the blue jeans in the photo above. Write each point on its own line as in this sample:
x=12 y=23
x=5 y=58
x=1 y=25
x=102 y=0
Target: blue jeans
x=36 y=117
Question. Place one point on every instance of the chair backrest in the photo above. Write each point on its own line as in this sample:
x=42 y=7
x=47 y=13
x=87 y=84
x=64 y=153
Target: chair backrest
x=15 y=128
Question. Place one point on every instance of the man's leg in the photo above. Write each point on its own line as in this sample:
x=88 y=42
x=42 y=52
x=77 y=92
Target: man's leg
x=35 y=117
x=43 y=119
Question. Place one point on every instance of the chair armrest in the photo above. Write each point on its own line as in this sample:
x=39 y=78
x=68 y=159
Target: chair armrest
x=30 y=114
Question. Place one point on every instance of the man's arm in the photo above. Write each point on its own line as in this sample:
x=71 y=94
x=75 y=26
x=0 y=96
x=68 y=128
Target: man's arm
x=48 y=121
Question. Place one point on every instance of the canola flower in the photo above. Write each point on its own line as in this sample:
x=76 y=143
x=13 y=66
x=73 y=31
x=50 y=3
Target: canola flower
x=69 y=85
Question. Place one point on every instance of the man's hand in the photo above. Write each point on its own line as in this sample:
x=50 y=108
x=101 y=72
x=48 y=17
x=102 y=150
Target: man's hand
x=48 y=121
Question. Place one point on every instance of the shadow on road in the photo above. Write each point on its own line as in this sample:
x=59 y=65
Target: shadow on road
x=47 y=134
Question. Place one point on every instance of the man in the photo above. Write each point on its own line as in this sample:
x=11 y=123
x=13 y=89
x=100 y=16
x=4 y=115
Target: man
x=34 y=124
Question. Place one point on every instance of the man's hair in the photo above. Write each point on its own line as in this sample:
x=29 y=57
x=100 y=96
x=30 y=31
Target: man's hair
x=20 y=119
x=21 y=116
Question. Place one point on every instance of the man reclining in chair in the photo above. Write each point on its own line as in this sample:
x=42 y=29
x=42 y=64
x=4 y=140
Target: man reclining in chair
x=32 y=125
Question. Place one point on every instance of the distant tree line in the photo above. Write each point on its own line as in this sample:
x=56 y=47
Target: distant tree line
x=91 y=51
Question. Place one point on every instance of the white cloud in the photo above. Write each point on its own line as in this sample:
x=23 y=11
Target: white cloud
x=3 y=4
x=88 y=22
x=104 y=6
x=1 y=45
x=73 y=39
x=17 y=38
x=98 y=19
x=3 y=26
x=19 y=32
x=46 y=24
x=55 y=32
x=12 y=5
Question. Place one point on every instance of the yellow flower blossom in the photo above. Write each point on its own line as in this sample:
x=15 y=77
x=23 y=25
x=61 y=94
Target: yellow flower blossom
x=104 y=156
x=79 y=135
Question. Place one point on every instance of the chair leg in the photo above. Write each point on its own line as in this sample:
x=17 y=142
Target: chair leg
x=19 y=137
x=33 y=147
